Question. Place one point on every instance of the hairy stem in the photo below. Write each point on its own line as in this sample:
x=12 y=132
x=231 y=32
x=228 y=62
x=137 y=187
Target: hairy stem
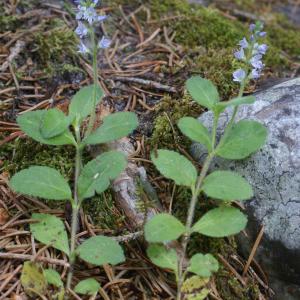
x=96 y=83
x=231 y=121
x=75 y=208
x=189 y=221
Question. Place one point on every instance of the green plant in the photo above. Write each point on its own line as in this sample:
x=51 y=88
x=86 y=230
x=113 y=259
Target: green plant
x=238 y=141
x=53 y=127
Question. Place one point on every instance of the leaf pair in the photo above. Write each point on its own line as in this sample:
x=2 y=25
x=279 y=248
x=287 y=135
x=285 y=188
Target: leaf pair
x=218 y=222
x=222 y=185
x=200 y=264
x=48 y=183
x=97 y=250
x=206 y=94
x=244 y=138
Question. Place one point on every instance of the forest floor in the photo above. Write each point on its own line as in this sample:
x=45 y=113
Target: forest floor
x=156 y=46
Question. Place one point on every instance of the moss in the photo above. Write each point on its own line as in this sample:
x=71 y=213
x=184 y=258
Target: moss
x=25 y=152
x=286 y=39
x=230 y=288
x=56 y=45
x=218 y=66
x=199 y=26
x=8 y=23
x=102 y=211
x=169 y=111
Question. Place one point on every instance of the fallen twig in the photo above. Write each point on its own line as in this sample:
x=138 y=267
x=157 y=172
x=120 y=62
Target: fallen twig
x=148 y=83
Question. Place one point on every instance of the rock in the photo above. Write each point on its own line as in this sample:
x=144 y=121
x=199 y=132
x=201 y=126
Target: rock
x=274 y=172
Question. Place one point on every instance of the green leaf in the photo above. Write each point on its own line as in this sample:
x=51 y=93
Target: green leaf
x=100 y=250
x=221 y=222
x=203 y=91
x=50 y=230
x=41 y=182
x=30 y=123
x=96 y=174
x=88 y=286
x=245 y=138
x=114 y=127
x=227 y=185
x=82 y=102
x=163 y=227
x=33 y=280
x=196 y=131
x=203 y=265
x=54 y=123
x=221 y=106
x=53 y=278
x=162 y=257
x=176 y=167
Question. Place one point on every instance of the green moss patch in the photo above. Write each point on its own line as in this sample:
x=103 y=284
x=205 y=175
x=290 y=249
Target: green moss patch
x=23 y=153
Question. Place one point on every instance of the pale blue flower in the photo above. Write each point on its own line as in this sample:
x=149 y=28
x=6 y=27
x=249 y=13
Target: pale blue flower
x=256 y=62
x=81 y=12
x=240 y=54
x=244 y=43
x=239 y=75
x=81 y=30
x=82 y=48
x=90 y=15
x=104 y=43
x=262 y=34
x=262 y=49
x=252 y=27
x=101 y=18
x=255 y=73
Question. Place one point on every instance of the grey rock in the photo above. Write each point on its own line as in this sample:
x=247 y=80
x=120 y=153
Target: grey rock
x=274 y=172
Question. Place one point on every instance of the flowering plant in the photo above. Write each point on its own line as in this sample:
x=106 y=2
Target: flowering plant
x=239 y=140
x=53 y=127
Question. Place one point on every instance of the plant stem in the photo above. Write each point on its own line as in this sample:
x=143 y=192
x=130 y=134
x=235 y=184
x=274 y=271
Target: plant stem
x=96 y=83
x=189 y=221
x=231 y=121
x=75 y=208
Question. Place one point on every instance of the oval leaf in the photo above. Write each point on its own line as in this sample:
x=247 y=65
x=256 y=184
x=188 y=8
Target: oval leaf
x=245 y=138
x=82 y=102
x=203 y=91
x=196 y=131
x=221 y=222
x=162 y=228
x=31 y=122
x=33 y=280
x=100 y=250
x=176 y=167
x=203 y=265
x=96 y=174
x=50 y=230
x=162 y=257
x=41 y=182
x=227 y=185
x=114 y=127
x=53 y=278
x=88 y=286
x=54 y=123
